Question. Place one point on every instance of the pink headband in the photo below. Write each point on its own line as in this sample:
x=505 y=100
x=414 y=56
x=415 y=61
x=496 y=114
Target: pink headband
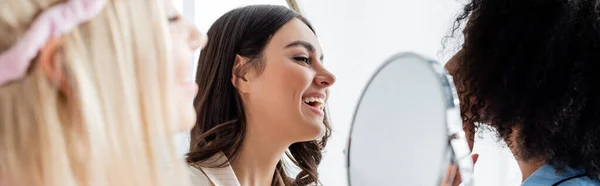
x=53 y=22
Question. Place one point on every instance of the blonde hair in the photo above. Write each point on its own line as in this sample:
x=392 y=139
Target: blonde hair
x=116 y=125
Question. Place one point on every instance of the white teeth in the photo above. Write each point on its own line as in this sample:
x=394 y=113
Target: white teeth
x=320 y=101
x=313 y=99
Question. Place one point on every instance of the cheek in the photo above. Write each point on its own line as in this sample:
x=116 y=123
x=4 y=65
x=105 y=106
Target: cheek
x=182 y=54
x=296 y=80
x=284 y=84
x=451 y=66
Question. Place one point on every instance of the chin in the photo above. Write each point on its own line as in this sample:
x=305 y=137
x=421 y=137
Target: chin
x=314 y=131
x=187 y=122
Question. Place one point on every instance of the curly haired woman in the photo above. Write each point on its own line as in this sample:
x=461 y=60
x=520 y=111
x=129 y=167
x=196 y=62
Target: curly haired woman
x=529 y=70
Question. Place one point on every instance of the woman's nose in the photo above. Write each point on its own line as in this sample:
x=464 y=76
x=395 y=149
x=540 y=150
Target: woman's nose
x=325 y=78
x=196 y=39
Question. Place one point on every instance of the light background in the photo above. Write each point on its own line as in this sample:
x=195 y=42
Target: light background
x=357 y=36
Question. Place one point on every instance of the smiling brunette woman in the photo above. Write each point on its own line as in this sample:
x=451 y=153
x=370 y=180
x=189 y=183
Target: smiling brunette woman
x=263 y=89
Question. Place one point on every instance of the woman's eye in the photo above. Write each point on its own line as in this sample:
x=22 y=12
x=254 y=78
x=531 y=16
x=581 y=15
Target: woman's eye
x=174 y=18
x=302 y=59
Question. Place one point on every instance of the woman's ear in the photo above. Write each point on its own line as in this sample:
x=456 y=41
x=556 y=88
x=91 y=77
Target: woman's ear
x=50 y=60
x=238 y=74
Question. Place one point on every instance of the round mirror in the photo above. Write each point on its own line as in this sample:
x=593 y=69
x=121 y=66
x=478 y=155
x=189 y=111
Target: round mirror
x=407 y=128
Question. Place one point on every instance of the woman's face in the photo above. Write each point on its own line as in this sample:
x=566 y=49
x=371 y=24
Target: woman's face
x=185 y=39
x=452 y=67
x=286 y=100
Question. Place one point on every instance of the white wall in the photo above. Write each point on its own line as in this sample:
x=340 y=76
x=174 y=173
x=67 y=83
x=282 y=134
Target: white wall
x=357 y=36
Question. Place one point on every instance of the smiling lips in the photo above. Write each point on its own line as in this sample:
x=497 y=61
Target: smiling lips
x=315 y=102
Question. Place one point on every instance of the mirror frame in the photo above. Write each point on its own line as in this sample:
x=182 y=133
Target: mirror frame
x=457 y=147
x=293 y=4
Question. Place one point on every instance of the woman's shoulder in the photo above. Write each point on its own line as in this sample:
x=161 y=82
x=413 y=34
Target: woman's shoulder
x=197 y=177
x=548 y=175
x=219 y=176
x=213 y=171
x=582 y=181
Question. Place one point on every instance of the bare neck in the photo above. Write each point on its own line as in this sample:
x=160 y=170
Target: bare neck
x=258 y=157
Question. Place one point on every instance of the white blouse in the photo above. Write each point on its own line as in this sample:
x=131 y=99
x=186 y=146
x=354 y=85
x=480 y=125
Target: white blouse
x=206 y=176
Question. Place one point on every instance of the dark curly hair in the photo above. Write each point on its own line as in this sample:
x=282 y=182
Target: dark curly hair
x=530 y=70
x=221 y=117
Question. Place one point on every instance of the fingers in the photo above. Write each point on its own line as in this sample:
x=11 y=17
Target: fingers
x=453 y=177
x=475 y=157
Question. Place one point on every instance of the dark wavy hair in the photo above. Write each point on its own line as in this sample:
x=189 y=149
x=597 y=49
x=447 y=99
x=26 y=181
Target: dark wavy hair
x=221 y=119
x=530 y=69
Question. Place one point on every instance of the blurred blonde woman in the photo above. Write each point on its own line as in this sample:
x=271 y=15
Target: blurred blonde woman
x=92 y=91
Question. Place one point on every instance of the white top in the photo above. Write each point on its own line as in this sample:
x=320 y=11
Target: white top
x=206 y=176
